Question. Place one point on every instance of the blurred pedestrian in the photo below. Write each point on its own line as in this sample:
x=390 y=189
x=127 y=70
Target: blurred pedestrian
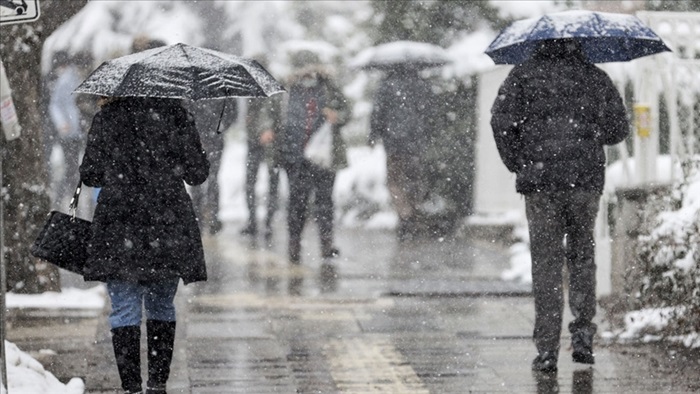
x=401 y=118
x=213 y=118
x=66 y=128
x=313 y=101
x=551 y=119
x=144 y=43
x=145 y=234
x=263 y=128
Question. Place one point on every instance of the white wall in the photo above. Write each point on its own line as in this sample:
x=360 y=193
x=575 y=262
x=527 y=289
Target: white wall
x=494 y=190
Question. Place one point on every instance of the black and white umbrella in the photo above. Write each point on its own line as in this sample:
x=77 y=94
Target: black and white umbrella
x=604 y=37
x=180 y=71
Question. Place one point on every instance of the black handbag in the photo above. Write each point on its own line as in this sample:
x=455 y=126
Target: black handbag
x=64 y=239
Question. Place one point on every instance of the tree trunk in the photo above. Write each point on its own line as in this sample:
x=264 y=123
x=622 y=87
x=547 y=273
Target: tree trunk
x=24 y=175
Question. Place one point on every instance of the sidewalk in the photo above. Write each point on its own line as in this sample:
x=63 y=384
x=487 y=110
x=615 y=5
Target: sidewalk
x=423 y=317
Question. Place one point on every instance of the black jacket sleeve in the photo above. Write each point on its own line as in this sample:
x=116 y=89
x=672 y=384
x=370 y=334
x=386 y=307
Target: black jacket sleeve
x=506 y=119
x=92 y=171
x=194 y=158
x=613 y=122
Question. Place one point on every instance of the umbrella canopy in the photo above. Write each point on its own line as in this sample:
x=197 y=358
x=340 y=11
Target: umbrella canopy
x=604 y=37
x=180 y=71
x=401 y=54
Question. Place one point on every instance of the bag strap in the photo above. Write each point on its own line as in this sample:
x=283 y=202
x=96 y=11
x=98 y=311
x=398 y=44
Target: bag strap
x=73 y=206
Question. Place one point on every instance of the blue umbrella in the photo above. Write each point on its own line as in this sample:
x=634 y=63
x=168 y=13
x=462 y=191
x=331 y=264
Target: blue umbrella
x=604 y=37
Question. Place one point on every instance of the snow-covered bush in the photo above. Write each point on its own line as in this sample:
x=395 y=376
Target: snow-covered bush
x=668 y=253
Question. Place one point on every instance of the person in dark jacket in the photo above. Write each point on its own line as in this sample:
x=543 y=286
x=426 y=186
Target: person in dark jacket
x=551 y=119
x=313 y=100
x=145 y=234
x=212 y=118
x=401 y=117
x=263 y=128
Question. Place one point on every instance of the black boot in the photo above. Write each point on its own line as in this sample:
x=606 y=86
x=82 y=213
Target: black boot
x=127 y=352
x=161 y=337
x=294 y=251
x=545 y=362
x=328 y=251
x=582 y=342
x=251 y=229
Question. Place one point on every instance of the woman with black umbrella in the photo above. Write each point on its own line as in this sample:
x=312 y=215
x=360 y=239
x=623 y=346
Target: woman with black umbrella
x=145 y=234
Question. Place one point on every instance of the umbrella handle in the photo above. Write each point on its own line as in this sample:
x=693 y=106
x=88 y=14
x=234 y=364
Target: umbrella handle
x=221 y=115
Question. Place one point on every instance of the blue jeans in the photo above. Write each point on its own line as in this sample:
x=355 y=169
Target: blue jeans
x=128 y=298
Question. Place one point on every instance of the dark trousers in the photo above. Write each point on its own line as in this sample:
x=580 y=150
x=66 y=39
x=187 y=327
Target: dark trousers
x=255 y=157
x=561 y=226
x=305 y=179
x=404 y=173
x=205 y=197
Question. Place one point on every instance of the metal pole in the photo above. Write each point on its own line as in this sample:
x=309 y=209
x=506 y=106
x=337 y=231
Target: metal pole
x=3 y=285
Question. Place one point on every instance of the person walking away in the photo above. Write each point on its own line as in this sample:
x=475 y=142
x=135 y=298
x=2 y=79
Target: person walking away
x=313 y=100
x=401 y=118
x=551 y=119
x=212 y=118
x=145 y=234
x=65 y=118
x=263 y=121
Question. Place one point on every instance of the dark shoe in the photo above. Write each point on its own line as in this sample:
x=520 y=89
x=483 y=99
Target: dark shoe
x=294 y=251
x=545 y=362
x=268 y=236
x=126 y=342
x=215 y=227
x=331 y=253
x=406 y=231
x=250 y=229
x=582 y=342
x=161 y=337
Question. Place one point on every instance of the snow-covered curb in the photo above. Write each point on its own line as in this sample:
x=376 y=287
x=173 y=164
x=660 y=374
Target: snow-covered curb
x=27 y=375
x=645 y=324
x=68 y=298
x=24 y=373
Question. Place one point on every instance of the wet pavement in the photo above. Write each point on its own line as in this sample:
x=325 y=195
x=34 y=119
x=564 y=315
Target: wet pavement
x=427 y=316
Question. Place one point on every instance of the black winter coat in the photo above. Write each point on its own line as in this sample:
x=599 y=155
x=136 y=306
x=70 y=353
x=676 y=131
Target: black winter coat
x=139 y=151
x=304 y=110
x=402 y=113
x=552 y=116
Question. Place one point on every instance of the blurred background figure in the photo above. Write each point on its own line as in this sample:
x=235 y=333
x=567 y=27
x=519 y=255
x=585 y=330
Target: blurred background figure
x=142 y=43
x=263 y=124
x=65 y=130
x=401 y=117
x=212 y=118
x=314 y=99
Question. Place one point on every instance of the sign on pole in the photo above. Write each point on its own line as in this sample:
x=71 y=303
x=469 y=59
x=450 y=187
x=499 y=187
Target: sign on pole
x=18 y=11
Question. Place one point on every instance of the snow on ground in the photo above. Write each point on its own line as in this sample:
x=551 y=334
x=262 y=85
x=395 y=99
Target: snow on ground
x=364 y=179
x=644 y=325
x=365 y=176
x=26 y=375
x=69 y=298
